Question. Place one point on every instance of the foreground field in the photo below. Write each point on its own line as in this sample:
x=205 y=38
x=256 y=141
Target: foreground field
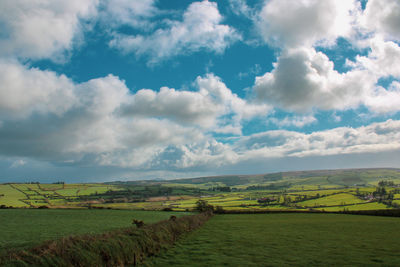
x=21 y=228
x=288 y=239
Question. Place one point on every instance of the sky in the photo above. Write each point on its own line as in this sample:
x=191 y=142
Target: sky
x=105 y=90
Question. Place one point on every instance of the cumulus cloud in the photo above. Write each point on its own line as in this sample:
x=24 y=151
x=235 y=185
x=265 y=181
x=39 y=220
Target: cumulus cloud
x=304 y=79
x=135 y=13
x=92 y=131
x=240 y=8
x=376 y=137
x=204 y=155
x=200 y=29
x=383 y=17
x=24 y=91
x=297 y=121
x=48 y=117
x=42 y=29
x=202 y=108
x=385 y=101
x=278 y=144
x=18 y=163
x=383 y=60
x=213 y=87
x=306 y=22
x=183 y=106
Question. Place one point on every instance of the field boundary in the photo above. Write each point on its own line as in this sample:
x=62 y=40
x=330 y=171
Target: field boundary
x=129 y=246
x=387 y=212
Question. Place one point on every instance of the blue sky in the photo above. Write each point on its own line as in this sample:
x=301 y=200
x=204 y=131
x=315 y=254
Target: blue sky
x=99 y=90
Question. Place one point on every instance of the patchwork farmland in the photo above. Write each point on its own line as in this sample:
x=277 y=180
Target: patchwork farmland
x=33 y=213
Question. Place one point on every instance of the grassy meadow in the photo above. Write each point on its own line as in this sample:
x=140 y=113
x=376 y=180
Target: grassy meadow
x=288 y=239
x=22 y=228
x=31 y=213
x=57 y=195
x=331 y=190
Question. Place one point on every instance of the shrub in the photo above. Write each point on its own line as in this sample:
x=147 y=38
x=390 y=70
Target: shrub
x=203 y=206
x=219 y=210
x=138 y=223
x=167 y=209
x=123 y=247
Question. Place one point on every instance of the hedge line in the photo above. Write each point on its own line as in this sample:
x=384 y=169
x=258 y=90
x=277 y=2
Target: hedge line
x=115 y=248
x=388 y=212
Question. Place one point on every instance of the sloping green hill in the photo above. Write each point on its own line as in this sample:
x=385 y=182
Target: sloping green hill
x=347 y=177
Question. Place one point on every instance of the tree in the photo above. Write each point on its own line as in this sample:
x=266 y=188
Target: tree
x=203 y=206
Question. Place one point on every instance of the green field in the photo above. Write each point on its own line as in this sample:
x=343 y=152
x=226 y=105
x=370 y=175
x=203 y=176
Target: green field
x=11 y=197
x=21 y=228
x=57 y=195
x=332 y=200
x=288 y=239
x=331 y=189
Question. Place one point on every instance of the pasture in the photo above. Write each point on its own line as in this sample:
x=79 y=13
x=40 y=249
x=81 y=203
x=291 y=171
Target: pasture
x=22 y=228
x=58 y=195
x=288 y=239
x=332 y=190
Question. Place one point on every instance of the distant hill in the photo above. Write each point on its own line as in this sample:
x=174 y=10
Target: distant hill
x=339 y=177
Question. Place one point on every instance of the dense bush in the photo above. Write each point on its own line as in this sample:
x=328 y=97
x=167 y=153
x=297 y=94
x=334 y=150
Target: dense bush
x=203 y=206
x=116 y=248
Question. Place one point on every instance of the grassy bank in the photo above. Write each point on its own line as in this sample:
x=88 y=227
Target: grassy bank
x=22 y=228
x=288 y=239
x=122 y=247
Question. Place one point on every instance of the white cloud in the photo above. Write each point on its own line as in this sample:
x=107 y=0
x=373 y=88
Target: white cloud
x=297 y=121
x=92 y=131
x=42 y=29
x=45 y=116
x=240 y=7
x=385 y=101
x=24 y=91
x=304 y=79
x=336 y=117
x=199 y=29
x=203 y=155
x=18 y=163
x=373 y=138
x=255 y=70
x=48 y=117
x=202 y=108
x=213 y=86
x=383 y=18
x=383 y=60
x=135 y=13
x=306 y=22
x=183 y=106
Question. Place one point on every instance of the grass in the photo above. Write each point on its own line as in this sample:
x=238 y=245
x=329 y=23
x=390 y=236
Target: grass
x=25 y=195
x=81 y=195
x=121 y=247
x=332 y=200
x=21 y=228
x=288 y=239
x=11 y=196
x=366 y=206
